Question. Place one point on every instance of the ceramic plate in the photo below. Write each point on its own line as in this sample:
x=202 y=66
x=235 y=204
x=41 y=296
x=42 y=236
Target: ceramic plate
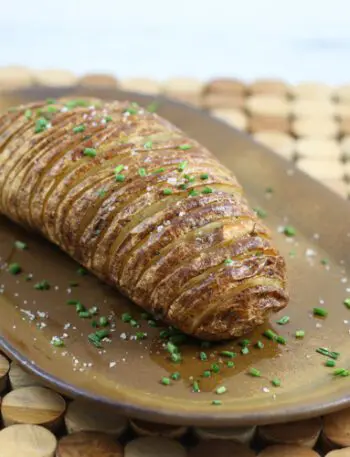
x=126 y=373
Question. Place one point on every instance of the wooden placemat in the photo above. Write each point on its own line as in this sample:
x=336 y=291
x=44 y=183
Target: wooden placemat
x=308 y=124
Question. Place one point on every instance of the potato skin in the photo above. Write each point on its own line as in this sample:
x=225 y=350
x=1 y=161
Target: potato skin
x=145 y=208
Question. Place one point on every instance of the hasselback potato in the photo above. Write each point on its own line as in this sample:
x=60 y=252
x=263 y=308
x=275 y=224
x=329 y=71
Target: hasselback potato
x=145 y=208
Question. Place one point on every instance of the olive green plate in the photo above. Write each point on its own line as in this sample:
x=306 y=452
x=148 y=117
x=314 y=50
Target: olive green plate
x=127 y=373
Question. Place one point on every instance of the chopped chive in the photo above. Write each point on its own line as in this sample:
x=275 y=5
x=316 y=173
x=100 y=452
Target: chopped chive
x=126 y=317
x=108 y=118
x=330 y=363
x=101 y=193
x=93 y=310
x=171 y=347
x=182 y=165
x=100 y=334
x=82 y=271
x=260 y=212
x=193 y=193
x=228 y=354
x=195 y=387
x=284 y=320
x=28 y=114
x=228 y=262
x=244 y=342
x=94 y=323
x=72 y=302
x=131 y=110
x=207 y=190
x=159 y=170
x=300 y=333
x=52 y=109
x=203 y=356
x=141 y=335
x=245 y=350
x=254 y=372
x=230 y=364
x=292 y=253
x=190 y=178
x=276 y=382
x=280 y=339
x=347 y=303
x=324 y=261
x=289 y=230
x=184 y=147
x=57 y=342
x=79 y=307
x=328 y=353
x=215 y=368
x=89 y=152
x=270 y=334
x=216 y=402
x=204 y=176
x=269 y=190
x=148 y=145
x=259 y=345
x=152 y=107
x=14 y=268
x=206 y=374
x=167 y=191
x=341 y=372
x=165 y=381
x=175 y=376
x=84 y=314
x=142 y=172
x=50 y=101
x=103 y=321
x=134 y=323
x=119 y=178
x=118 y=169
x=175 y=357
x=320 y=312
x=221 y=390
x=79 y=128
x=163 y=334
x=76 y=103
x=42 y=285
x=94 y=340
x=41 y=125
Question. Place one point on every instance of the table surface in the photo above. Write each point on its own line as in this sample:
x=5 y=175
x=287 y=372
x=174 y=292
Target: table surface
x=299 y=40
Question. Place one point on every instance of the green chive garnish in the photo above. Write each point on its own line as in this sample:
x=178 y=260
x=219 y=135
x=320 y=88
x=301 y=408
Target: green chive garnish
x=52 y=109
x=142 y=172
x=42 y=285
x=175 y=376
x=228 y=354
x=184 y=147
x=159 y=170
x=341 y=372
x=215 y=368
x=79 y=307
x=269 y=190
x=103 y=321
x=245 y=350
x=216 y=402
x=254 y=372
x=324 y=261
x=230 y=364
x=79 y=128
x=152 y=107
x=260 y=213
x=57 y=342
x=289 y=230
x=20 y=245
x=175 y=357
x=82 y=271
x=284 y=320
x=182 y=165
x=347 y=303
x=195 y=387
x=41 y=125
x=300 y=333
x=119 y=178
x=328 y=353
x=141 y=335
x=118 y=169
x=165 y=381
x=101 y=193
x=148 y=145
x=320 y=312
x=28 y=114
x=330 y=363
x=14 y=268
x=89 y=152
x=228 y=262
x=50 y=101
x=131 y=110
x=84 y=314
x=276 y=382
x=207 y=190
x=203 y=356
x=193 y=193
x=94 y=340
x=206 y=374
x=280 y=339
x=221 y=390
x=167 y=191
x=108 y=118
x=72 y=302
x=204 y=176
x=259 y=345
x=126 y=317
x=270 y=334
x=134 y=323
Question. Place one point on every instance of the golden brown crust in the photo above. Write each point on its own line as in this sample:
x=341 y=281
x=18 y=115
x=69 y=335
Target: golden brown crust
x=143 y=207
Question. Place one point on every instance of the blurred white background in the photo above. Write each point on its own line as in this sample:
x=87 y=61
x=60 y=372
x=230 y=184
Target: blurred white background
x=295 y=40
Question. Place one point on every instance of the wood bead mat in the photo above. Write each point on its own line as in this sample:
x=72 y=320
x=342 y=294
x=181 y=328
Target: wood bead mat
x=307 y=123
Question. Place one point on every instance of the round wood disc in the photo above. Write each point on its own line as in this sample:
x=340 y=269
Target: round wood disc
x=25 y=440
x=183 y=85
x=55 y=78
x=99 y=80
x=336 y=427
x=15 y=77
x=258 y=123
x=339 y=453
x=144 y=428
x=280 y=450
x=266 y=105
x=226 y=86
x=233 y=117
x=20 y=378
x=4 y=369
x=242 y=435
x=315 y=148
x=312 y=91
x=217 y=101
x=150 y=446
x=318 y=109
x=303 y=433
x=89 y=444
x=87 y=416
x=220 y=448
x=269 y=87
x=33 y=405
x=316 y=128
x=322 y=169
x=279 y=142
x=142 y=85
